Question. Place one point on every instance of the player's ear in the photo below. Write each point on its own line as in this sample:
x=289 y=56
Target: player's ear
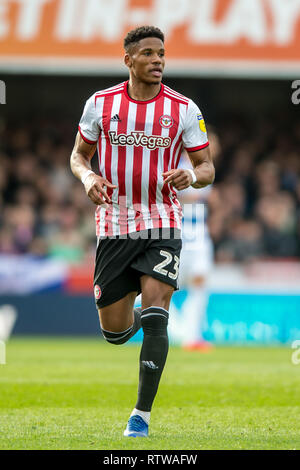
x=128 y=60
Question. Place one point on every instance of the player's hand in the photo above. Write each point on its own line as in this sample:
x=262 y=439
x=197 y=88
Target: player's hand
x=180 y=178
x=95 y=189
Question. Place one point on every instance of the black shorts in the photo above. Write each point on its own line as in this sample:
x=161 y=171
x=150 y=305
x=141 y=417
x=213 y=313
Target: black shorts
x=120 y=262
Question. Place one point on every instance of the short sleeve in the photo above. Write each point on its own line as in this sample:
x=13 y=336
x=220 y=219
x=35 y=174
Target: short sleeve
x=194 y=135
x=88 y=125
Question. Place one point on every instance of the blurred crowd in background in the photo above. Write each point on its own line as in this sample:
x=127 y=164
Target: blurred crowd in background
x=253 y=208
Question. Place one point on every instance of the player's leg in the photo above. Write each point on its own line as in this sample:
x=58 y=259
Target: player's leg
x=155 y=292
x=195 y=316
x=158 y=263
x=119 y=321
x=156 y=296
x=115 y=287
x=199 y=259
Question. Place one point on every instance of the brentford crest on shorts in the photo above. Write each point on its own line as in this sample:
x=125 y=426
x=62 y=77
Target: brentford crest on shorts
x=137 y=141
x=97 y=292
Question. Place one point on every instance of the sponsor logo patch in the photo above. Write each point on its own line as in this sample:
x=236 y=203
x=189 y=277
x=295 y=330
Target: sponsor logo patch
x=97 y=292
x=201 y=122
x=166 y=121
x=139 y=138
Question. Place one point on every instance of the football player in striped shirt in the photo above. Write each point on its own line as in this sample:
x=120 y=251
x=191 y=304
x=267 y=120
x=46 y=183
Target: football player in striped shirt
x=139 y=128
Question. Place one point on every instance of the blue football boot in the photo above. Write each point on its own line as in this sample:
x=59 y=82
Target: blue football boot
x=136 y=427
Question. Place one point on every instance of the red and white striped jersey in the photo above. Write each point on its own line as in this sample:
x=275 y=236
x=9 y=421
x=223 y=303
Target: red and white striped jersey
x=137 y=142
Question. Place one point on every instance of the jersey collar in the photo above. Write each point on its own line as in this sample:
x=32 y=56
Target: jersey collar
x=142 y=102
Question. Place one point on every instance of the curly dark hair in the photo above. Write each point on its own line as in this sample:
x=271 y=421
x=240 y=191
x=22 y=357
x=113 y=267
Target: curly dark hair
x=142 y=32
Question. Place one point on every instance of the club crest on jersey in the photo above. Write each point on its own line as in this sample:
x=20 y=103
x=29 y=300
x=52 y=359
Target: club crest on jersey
x=97 y=292
x=139 y=138
x=166 y=121
x=201 y=122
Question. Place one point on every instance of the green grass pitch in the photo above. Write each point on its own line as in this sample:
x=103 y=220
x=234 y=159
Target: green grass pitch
x=78 y=394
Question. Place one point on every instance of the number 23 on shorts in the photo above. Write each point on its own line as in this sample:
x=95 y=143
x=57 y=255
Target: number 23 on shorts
x=159 y=268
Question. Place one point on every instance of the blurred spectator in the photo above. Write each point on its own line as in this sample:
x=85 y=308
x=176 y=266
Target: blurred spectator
x=278 y=219
x=244 y=242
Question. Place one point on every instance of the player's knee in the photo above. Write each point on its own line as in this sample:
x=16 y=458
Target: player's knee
x=160 y=298
x=155 y=321
x=158 y=294
x=117 y=338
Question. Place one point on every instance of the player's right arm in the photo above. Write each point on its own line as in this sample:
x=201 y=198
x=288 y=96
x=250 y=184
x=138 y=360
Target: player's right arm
x=80 y=162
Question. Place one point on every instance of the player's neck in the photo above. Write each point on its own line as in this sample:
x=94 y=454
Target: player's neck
x=141 y=91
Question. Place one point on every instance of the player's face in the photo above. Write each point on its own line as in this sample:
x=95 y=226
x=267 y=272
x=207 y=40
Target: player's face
x=147 y=60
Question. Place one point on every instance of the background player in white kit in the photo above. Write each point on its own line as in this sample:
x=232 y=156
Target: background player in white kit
x=140 y=127
x=196 y=261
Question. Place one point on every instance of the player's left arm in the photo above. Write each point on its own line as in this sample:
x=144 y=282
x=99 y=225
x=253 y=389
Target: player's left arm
x=204 y=171
x=204 y=168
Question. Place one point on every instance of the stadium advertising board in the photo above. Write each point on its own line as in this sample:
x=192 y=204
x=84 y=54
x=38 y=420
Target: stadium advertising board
x=216 y=37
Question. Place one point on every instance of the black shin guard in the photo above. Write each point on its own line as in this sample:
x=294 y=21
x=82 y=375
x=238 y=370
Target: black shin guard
x=153 y=355
x=123 y=336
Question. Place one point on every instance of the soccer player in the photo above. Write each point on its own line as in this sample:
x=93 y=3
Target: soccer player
x=139 y=128
x=196 y=259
